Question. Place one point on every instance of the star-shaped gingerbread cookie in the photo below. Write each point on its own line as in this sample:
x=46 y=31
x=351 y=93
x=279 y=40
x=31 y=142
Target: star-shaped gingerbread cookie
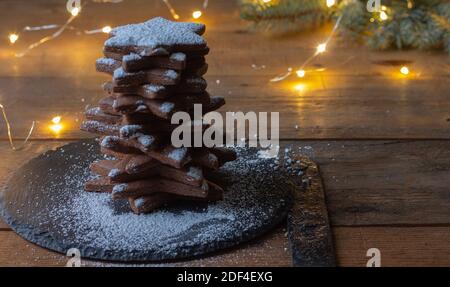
x=157 y=36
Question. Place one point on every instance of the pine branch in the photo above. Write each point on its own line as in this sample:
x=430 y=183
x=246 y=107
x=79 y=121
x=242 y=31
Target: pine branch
x=425 y=25
x=285 y=16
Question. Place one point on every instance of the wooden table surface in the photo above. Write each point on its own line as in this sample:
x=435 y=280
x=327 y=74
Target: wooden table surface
x=382 y=141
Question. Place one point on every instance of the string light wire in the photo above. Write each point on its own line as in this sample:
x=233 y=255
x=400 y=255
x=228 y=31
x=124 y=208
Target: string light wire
x=48 y=38
x=171 y=10
x=10 y=137
x=320 y=50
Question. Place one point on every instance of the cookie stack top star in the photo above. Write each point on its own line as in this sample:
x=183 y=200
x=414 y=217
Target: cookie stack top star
x=157 y=36
x=156 y=69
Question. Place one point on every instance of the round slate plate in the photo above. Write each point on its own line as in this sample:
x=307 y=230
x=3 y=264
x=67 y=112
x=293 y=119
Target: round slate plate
x=44 y=202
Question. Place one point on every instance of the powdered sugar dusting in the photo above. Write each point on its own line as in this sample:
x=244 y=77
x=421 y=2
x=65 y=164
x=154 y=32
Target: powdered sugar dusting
x=130 y=131
x=131 y=57
x=109 y=141
x=104 y=228
x=107 y=62
x=119 y=73
x=114 y=172
x=171 y=74
x=146 y=140
x=178 y=154
x=153 y=88
x=180 y=57
x=195 y=173
x=155 y=33
x=167 y=107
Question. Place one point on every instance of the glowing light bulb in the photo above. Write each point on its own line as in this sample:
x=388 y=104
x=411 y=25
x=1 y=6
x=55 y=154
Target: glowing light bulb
x=404 y=70
x=299 y=87
x=75 y=11
x=197 y=14
x=410 y=4
x=13 y=38
x=56 y=120
x=330 y=3
x=383 y=16
x=300 y=73
x=321 y=48
x=106 y=29
x=56 y=127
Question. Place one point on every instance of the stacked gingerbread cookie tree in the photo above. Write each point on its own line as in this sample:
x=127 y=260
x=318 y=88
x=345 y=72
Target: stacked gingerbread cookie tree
x=157 y=70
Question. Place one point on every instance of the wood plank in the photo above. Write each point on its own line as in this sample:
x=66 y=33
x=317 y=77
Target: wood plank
x=385 y=106
x=399 y=246
x=384 y=182
x=366 y=182
x=309 y=231
x=270 y=250
x=321 y=113
x=226 y=33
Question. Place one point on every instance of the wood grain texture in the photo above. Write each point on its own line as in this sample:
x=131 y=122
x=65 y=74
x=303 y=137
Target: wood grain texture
x=384 y=182
x=366 y=182
x=353 y=86
x=369 y=183
x=309 y=231
x=399 y=246
x=270 y=250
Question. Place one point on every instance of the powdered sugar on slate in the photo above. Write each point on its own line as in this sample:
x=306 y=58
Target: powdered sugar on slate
x=96 y=224
x=157 y=33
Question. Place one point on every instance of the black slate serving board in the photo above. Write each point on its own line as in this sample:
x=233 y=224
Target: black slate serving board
x=44 y=202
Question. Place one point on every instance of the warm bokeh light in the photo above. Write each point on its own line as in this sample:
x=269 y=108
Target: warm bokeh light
x=383 y=16
x=56 y=127
x=267 y=1
x=13 y=38
x=410 y=4
x=106 y=29
x=321 y=48
x=56 y=120
x=300 y=73
x=75 y=11
x=197 y=14
x=404 y=70
x=299 y=87
x=331 y=3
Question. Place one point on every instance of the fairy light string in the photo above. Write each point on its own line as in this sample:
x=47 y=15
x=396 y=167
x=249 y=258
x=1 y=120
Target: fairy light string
x=320 y=49
x=74 y=7
x=74 y=12
x=171 y=10
x=10 y=137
